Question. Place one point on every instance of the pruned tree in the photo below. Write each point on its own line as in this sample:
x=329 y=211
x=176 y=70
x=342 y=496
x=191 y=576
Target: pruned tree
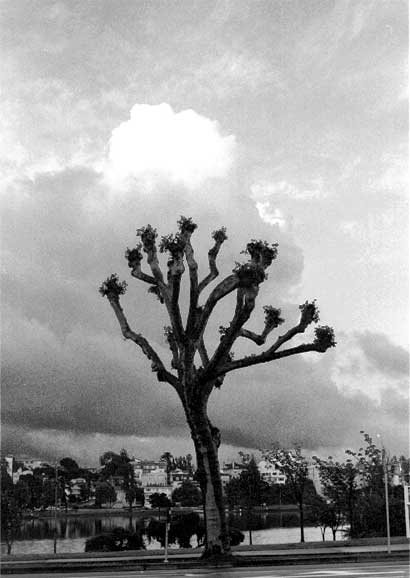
x=196 y=371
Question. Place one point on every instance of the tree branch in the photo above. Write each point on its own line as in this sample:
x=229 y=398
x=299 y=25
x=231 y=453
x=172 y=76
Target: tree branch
x=174 y=245
x=258 y=339
x=175 y=271
x=193 y=287
x=157 y=365
x=267 y=356
x=223 y=289
x=309 y=314
x=324 y=339
x=272 y=320
x=176 y=363
x=203 y=353
x=245 y=303
x=148 y=236
x=219 y=236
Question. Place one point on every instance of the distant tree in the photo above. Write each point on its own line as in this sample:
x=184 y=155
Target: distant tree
x=188 y=494
x=11 y=518
x=251 y=488
x=340 y=486
x=120 y=465
x=324 y=515
x=170 y=465
x=70 y=466
x=11 y=511
x=48 y=494
x=184 y=463
x=139 y=495
x=195 y=371
x=295 y=467
x=355 y=489
x=104 y=493
x=233 y=492
x=160 y=500
x=23 y=492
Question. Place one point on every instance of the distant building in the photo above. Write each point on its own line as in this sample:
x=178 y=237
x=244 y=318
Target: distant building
x=313 y=474
x=9 y=461
x=232 y=469
x=270 y=473
x=178 y=477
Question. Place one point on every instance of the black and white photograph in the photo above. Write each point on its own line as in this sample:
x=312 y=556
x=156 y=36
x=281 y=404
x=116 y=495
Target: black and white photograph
x=205 y=289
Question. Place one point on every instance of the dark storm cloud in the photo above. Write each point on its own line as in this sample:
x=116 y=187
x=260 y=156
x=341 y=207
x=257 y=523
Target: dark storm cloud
x=384 y=355
x=65 y=365
x=292 y=401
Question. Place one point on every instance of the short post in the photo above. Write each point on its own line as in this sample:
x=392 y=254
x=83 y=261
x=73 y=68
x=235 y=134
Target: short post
x=167 y=525
x=407 y=508
x=55 y=509
x=386 y=494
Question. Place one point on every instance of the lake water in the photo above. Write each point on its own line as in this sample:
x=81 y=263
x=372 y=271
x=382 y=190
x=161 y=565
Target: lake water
x=36 y=536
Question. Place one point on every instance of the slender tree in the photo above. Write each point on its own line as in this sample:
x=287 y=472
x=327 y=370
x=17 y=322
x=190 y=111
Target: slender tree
x=340 y=486
x=169 y=459
x=295 y=466
x=195 y=371
x=120 y=465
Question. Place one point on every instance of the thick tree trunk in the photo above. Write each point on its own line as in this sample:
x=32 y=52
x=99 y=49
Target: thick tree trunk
x=206 y=441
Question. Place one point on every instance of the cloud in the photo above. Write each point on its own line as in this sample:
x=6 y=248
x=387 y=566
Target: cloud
x=384 y=355
x=233 y=73
x=298 y=401
x=394 y=177
x=157 y=143
x=310 y=190
x=370 y=363
x=270 y=215
x=374 y=238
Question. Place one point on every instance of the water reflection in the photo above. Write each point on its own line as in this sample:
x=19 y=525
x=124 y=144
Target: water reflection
x=36 y=536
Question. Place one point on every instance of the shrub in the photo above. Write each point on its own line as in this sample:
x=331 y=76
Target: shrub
x=116 y=540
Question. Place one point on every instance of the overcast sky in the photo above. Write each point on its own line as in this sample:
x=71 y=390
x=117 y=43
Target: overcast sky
x=284 y=120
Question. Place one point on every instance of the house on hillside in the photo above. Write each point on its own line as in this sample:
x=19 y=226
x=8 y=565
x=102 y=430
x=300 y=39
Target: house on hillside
x=270 y=473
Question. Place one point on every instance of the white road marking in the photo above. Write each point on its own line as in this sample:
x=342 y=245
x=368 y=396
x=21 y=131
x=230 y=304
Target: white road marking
x=324 y=573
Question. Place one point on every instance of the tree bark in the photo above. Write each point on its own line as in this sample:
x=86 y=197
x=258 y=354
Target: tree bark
x=206 y=442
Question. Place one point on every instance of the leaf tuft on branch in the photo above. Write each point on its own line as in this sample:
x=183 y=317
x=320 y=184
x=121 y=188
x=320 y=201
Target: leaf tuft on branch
x=154 y=289
x=261 y=252
x=220 y=235
x=324 y=337
x=272 y=317
x=112 y=287
x=249 y=274
x=310 y=313
x=134 y=256
x=186 y=225
x=148 y=235
x=174 y=244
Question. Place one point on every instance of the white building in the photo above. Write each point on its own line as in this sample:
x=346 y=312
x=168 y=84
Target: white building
x=270 y=473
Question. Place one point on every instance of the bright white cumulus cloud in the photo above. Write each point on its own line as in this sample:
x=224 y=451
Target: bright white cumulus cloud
x=157 y=143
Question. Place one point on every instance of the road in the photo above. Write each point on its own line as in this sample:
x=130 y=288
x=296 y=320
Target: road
x=380 y=569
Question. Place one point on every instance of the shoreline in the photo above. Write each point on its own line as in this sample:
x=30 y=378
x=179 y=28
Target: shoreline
x=141 y=511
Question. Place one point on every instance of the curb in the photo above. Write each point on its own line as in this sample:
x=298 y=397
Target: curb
x=50 y=565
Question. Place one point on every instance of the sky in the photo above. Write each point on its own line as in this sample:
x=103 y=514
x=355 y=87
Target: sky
x=285 y=121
